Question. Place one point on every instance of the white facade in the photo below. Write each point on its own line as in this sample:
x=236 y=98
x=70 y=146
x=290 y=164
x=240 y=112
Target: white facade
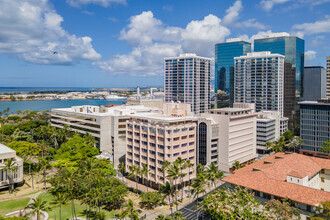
x=107 y=125
x=188 y=80
x=17 y=177
x=259 y=79
x=270 y=126
x=237 y=135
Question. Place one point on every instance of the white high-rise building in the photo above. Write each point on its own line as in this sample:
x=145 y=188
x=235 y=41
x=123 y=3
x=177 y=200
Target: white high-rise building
x=259 y=79
x=188 y=80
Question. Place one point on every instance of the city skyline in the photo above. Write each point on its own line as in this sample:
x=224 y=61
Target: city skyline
x=123 y=43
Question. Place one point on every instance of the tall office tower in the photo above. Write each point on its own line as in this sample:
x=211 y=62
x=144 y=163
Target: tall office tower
x=315 y=83
x=224 y=69
x=293 y=48
x=259 y=79
x=328 y=77
x=188 y=80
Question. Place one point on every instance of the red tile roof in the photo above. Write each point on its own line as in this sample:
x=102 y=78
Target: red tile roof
x=269 y=175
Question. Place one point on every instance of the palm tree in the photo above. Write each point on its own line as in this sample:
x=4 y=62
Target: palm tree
x=173 y=173
x=189 y=165
x=122 y=167
x=59 y=200
x=200 y=168
x=168 y=190
x=11 y=169
x=182 y=165
x=165 y=167
x=44 y=165
x=37 y=206
x=130 y=211
x=144 y=173
x=213 y=174
x=277 y=146
x=134 y=172
x=236 y=165
x=198 y=186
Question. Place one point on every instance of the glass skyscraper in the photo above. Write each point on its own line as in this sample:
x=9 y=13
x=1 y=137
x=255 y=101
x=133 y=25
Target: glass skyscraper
x=224 y=69
x=293 y=48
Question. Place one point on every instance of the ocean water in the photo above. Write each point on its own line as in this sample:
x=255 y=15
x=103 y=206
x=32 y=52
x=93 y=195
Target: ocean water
x=41 y=105
x=42 y=89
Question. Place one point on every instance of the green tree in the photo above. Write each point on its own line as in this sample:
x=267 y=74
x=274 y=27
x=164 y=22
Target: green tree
x=43 y=166
x=37 y=206
x=198 y=186
x=59 y=200
x=282 y=210
x=144 y=172
x=236 y=165
x=189 y=165
x=178 y=216
x=130 y=211
x=213 y=174
x=169 y=191
x=173 y=173
x=326 y=147
x=150 y=200
x=182 y=165
x=134 y=173
x=122 y=168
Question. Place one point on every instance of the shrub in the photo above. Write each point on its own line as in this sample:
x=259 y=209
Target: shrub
x=150 y=200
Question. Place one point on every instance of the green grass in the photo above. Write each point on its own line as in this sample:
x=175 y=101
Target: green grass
x=66 y=209
x=12 y=205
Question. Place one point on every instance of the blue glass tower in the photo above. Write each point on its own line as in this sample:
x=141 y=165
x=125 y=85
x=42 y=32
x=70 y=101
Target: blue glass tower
x=293 y=48
x=224 y=69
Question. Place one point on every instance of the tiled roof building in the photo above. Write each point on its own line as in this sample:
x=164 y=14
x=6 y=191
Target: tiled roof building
x=303 y=179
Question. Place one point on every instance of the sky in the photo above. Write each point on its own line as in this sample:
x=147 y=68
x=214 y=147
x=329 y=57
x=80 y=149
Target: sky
x=123 y=43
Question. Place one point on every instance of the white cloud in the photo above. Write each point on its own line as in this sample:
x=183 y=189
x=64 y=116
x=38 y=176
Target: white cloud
x=310 y=55
x=267 y=5
x=321 y=26
x=232 y=18
x=104 y=3
x=167 y=8
x=31 y=29
x=232 y=13
x=259 y=35
x=152 y=41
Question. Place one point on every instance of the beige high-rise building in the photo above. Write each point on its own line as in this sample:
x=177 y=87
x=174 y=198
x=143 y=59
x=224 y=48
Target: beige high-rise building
x=153 y=138
x=328 y=77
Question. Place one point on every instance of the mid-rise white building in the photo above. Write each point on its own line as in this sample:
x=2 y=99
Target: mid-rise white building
x=107 y=125
x=188 y=80
x=5 y=176
x=259 y=79
x=237 y=134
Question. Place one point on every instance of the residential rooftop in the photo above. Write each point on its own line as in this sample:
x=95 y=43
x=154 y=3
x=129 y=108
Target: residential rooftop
x=4 y=149
x=269 y=175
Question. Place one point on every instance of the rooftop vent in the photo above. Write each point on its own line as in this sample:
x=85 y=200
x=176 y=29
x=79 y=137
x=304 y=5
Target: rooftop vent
x=257 y=169
x=279 y=157
x=287 y=152
x=268 y=162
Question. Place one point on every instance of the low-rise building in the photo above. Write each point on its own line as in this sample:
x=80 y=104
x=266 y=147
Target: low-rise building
x=153 y=138
x=269 y=128
x=5 y=176
x=107 y=125
x=300 y=178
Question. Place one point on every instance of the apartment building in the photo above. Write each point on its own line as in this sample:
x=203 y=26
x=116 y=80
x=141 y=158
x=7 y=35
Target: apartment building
x=17 y=177
x=107 y=125
x=188 y=80
x=314 y=126
x=153 y=138
x=328 y=77
x=237 y=134
x=302 y=179
x=259 y=79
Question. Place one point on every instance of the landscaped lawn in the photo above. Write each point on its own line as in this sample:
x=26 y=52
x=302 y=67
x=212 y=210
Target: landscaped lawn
x=66 y=209
x=12 y=205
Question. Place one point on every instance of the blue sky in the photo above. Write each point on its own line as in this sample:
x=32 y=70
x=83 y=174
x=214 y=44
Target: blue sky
x=122 y=43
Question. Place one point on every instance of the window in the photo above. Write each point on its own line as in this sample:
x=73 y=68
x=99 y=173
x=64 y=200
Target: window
x=322 y=179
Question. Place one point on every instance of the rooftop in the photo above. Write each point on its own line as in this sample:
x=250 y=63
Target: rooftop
x=260 y=54
x=4 y=149
x=269 y=176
